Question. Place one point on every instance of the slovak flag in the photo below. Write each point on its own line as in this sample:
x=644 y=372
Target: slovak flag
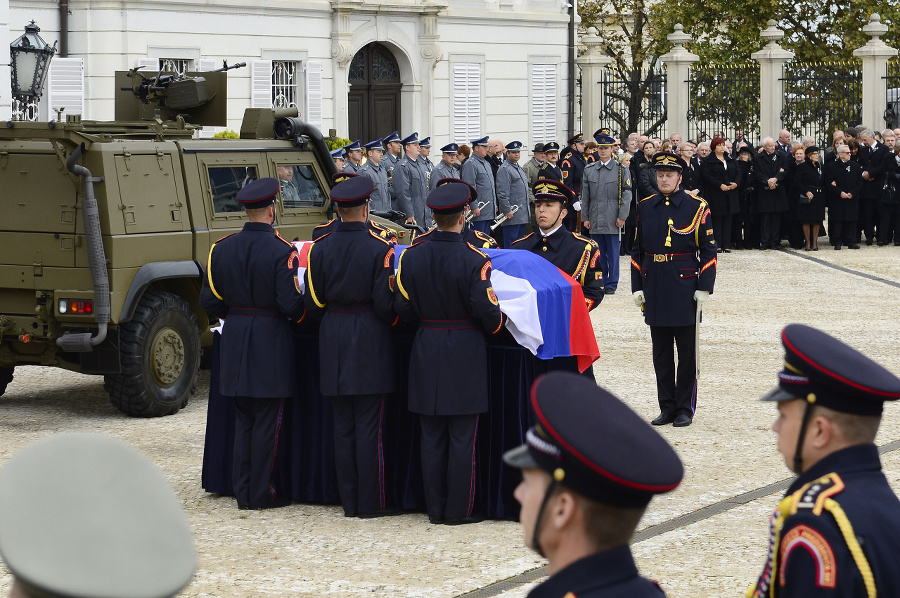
x=546 y=308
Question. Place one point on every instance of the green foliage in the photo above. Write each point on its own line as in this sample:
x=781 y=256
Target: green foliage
x=725 y=30
x=336 y=142
x=226 y=134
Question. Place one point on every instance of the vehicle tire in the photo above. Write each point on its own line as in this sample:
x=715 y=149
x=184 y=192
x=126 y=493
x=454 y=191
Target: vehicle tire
x=6 y=376
x=160 y=352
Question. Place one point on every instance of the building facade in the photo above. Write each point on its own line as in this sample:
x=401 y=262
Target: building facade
x=452 y=70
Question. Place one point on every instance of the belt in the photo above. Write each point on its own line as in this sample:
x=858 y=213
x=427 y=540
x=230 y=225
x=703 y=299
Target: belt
x=671 y=257
x=448 y=324
x=255 y=312
x=349 y=308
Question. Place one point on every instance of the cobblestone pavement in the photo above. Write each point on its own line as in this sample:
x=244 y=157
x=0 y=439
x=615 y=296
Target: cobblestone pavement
x=307 y=550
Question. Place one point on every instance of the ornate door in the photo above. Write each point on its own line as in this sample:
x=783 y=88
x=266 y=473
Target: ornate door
x=374 y=98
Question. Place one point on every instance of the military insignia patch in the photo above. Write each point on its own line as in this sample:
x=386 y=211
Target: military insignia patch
x=492 y=296
x=594 y=259
x=391 y=279
x=294 y=256
x=485 y=270
x=297 y=284
x=628 y=182
x=565 y=174
x=818 y=548
x=389 y=258
x=709 y=232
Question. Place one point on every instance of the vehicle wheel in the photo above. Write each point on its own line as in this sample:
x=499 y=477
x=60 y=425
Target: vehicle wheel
x=6 y=376
x=160 y=352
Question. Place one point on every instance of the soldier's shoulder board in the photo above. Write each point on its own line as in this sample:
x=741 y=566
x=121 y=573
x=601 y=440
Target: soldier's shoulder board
x=648 y=197
x=811 y=497
x=584 y=239
x=478 y=251
x=379 y=237
x=285 y=241
x=529 y=235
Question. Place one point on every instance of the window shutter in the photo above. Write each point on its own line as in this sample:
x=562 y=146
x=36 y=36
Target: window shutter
x=261 y=84
x=466 y=101
x=207 y=64
x=543 y=102
x=65 y=86
x=314 y=93
x=149 y=64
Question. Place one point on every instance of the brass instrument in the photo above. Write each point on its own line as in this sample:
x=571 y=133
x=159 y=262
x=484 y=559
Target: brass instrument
x=502 y=217
x=390 y=172
x=481 y=205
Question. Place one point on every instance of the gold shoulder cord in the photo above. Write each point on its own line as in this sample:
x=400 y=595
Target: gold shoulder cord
x=856 y=550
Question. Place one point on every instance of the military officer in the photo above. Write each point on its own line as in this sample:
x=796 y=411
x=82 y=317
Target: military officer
x=448 y=381
x=673 y=270
x=512 y=190
x=331 y=225
x=354 y=157
x=550 y=169
x=392 y=147
x=349 y=282
x=447 y=167
x=572 y=163
x=340 y=157
x=473 y=237
x=410 y=188
x=424 y=161
x=88 y=515
x=477 y=172
x=837 y=531
x=380 y=200
x=582 y=496
x=251 y=282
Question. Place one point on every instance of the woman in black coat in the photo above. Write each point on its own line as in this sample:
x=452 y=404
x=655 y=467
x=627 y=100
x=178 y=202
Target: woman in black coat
x=811 y=199
x=843 y=182
x=721 y=178
x=743 y=234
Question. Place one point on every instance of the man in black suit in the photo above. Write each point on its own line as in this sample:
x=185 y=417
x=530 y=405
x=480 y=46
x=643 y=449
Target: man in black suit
x=872 y=161
x=769 y=172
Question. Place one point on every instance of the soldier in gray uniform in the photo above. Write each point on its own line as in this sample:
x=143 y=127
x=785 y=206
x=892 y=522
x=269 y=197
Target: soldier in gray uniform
x=424 y=161
x=392 y=150
x=477 y=172
x=88 y=515
x=354 y=157
x=410 y=190
x=512 y=190
x=447 y=167
x=380 y=199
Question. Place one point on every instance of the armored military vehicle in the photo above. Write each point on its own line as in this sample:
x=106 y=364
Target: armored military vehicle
x=106 y=228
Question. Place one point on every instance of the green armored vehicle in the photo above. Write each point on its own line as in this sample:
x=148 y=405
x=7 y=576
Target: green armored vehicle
x=106 y=229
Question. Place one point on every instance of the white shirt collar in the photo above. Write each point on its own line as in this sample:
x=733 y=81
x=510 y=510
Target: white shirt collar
x=543 y=234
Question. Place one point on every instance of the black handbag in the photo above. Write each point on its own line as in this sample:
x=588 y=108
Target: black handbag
x=805 y=200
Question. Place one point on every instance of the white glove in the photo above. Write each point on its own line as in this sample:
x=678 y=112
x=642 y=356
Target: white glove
x=577 y=206
x=701 y=297
x=638 y=297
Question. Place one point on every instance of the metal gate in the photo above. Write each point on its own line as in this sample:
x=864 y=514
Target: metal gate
x=634 y=101
x=820 y=97
x=892 y=101
x=724 y=98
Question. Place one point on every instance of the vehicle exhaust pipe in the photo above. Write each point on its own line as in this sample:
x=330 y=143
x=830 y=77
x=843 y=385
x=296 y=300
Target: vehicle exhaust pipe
x=84 y=342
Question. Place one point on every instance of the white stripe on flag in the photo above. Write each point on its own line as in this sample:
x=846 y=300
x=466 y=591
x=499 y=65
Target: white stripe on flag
x=518 y=300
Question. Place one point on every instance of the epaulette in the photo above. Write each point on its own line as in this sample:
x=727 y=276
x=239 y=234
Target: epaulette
x=324 y=224
x=222 y=239
x=286 y=242
x=320 y=238
x=648 y=197
x=522 y=239
x=484 y=237
x=421 y=238
x=478 y=251
x=584 y=239
x=377 y=236
x=811 y=497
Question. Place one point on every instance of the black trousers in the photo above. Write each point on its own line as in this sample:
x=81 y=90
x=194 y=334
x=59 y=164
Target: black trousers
x=675 y=390
x=842 y=232
x=448 y=464
x=358 y=452
x=888 y=223
x=770 y=229
x=722 y=230
x=869 y=212
x=257 y=425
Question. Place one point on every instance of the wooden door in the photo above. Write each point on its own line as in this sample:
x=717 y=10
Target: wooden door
x=374 y=98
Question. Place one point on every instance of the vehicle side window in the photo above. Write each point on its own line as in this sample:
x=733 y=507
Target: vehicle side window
x=299 y=187
x=224 y=184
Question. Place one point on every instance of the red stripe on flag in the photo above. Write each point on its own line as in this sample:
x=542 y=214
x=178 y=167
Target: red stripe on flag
x=582 y=342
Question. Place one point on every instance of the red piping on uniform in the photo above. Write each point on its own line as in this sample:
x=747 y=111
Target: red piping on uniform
x=472 y=479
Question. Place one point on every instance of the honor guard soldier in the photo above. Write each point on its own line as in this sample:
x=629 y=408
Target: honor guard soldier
x=582 y=496
x=354 y=157
x=572 y=163
x=512 y=195
x=477 y=172
x=673 y=270
x=380 y=200
x=349 y=282
x=476 y=239
x=601 y=131
x=447 y=167
x=340 y=157
x=251 y=282
x=444 y=286
x=87 y=515
x=410 y=189
x=323 y=229
x=574 y=254
x=393 y=148
x=550 y=169
x=836 y=533
x=424 y=161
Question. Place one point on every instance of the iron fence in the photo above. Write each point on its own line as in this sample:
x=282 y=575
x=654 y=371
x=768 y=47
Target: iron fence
x=820 y=97
x=724 y=98
x=634 y=100
x=892 y=101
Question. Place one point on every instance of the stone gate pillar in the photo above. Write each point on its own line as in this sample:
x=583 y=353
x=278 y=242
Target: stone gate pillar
x=771 y=61
x=678 y=63
x=874 y=56
x=592 y=64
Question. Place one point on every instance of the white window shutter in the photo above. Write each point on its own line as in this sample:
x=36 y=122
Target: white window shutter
x=543 y=102
x=207 y=64
x=65 y=86
x=261 y=84
x=149 y=64
x=466 y=101
x=314 y=93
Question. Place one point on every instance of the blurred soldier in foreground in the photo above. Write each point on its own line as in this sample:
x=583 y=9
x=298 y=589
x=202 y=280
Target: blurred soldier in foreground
x=837 y=531
x=582 y=496
x=85 y=515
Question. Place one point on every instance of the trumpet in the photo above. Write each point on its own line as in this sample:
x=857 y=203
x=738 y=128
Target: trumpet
x=390 y=173
x=502 y=217
x=481 y=205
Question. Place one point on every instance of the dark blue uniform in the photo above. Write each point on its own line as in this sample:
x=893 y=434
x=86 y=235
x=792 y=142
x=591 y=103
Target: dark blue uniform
x=330 y=226
x=473 y=237
x=572 y=163
x=252 y=283
x=444 y=286
x=610 y=574
x=674 y=254
x=349 y=280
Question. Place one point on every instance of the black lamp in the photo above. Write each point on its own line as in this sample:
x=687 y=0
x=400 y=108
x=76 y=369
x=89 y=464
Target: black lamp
x=30 y=61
